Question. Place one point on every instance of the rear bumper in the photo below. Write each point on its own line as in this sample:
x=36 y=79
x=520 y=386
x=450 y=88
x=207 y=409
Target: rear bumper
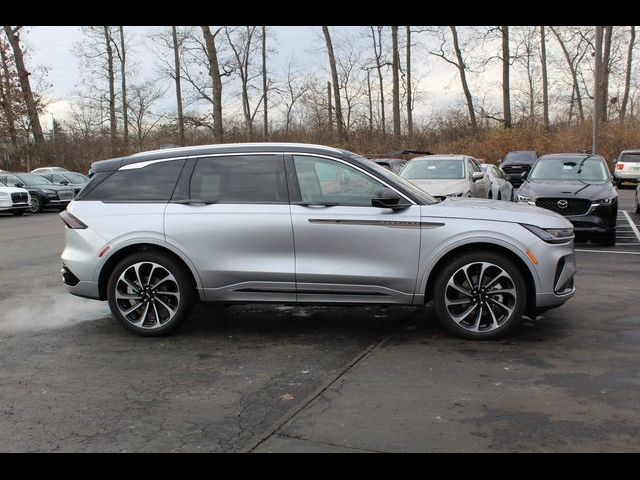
x=627 y=177
x=77 y=287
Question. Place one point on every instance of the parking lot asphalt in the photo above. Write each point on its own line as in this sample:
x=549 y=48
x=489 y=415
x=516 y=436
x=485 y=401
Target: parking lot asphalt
x=279 y=379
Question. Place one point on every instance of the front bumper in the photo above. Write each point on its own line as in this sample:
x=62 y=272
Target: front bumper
x=601 y=220
x=556 y=271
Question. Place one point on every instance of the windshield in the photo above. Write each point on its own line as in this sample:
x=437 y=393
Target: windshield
x=75 y=177
x=630 y=157
x=31 y=180
x=394 y=178
x=570 y=168
x=433 y=169
x=520 y=157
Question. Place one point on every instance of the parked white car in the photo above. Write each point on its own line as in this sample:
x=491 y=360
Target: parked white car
x=48 y=170
x=444 y=176
x=627 y=167
x=13 y=199
x=501 y=188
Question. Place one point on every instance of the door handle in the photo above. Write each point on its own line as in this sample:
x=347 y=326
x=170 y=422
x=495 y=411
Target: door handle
x=317 y=204
x=193 y=202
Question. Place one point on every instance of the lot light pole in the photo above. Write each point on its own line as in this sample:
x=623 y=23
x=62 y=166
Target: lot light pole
x=597 y=77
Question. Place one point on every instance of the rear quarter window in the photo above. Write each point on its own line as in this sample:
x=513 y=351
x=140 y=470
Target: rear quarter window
x=153 y=183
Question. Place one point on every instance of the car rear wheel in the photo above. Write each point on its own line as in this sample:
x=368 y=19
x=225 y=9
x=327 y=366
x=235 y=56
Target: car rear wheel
x=480 y=295
x=150 y=293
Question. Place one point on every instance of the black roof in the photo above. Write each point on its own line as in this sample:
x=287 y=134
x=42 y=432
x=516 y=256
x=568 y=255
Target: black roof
x=115 y=163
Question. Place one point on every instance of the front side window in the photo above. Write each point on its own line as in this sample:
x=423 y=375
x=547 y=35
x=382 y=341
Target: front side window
x=326 y=181
x=152 y=183
x=240 y=179
x=33 y=180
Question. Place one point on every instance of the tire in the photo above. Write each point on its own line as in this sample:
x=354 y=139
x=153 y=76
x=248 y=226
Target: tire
x=501 y=273
x=499 y=196
x=609 y=238
x=157 y=313
x=637 y=207
x=490 y=196
x=36 y=204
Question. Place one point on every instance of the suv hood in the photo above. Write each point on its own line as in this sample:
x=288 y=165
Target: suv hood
x=494 y=210
x=442 y=187
x=12 y=190
x=567 y=189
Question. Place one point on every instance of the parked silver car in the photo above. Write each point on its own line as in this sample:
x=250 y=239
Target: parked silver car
x=294 y=223
x=501 y=188
x=448 y=176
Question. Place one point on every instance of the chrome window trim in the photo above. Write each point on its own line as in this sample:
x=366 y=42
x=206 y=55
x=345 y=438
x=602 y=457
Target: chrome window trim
x=349 y=164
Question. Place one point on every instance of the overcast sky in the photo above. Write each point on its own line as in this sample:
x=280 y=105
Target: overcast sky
x=51 y=47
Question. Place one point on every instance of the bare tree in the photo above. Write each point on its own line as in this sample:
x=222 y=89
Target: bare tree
x=8 y=93
x=395 y=67
x=294 y=89
x=572 y=63
x=176 y=59
x=409 y=86
x=380 y=62
x=121 y=52
x=506 y=59
x=13 y=35
x=214 y=73
x=108 y=39
x=265 y=87
x=462 y=69
x=336 y=88
x=143 y=119
x=545 y=82
x=627 y=79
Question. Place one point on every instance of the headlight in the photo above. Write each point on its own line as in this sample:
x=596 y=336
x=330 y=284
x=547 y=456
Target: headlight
x=608 y=200
x=4 y=195
x=551 y=235
x=48 y=192
x=525 y=199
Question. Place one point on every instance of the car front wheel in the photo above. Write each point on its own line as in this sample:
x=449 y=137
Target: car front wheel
x=35 y=205
x=480 y=295
x=150 y=293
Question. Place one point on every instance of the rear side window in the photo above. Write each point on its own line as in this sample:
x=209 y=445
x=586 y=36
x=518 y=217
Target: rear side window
x=153 y=183
x=630 y=157
x=240 y=179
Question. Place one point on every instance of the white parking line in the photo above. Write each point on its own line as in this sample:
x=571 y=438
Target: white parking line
x=633 y=225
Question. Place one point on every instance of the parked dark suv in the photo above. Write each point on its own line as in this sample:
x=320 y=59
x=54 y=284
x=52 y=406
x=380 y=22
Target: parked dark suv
x=44 y=194
x=578 y=186
x=514 y=164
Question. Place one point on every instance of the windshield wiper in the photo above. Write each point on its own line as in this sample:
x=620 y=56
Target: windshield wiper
x=584 y=160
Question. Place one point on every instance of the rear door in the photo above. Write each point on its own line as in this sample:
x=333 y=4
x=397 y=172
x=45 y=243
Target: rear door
x=231 y=217
x=346 y=249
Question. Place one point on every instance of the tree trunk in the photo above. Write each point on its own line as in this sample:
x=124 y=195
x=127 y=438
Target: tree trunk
x=7 y=98
x=395 y=67
x=506 y=97
x=264 y=82
x=112 y=91
x=329 y=108
x=606 y=70
x=336 y=87
x=463 y=79
x=377 y=49
x=214 y=73
x=409 y=100
x=574 y=73
x=545 y=82
x=370 y=101
x=627 y=80
x=125 y=115
x=25 y=85
x=176 y=57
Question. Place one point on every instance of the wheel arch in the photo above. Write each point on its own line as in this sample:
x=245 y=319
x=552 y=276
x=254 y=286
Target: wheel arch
x=518 y=261
x=124 y=251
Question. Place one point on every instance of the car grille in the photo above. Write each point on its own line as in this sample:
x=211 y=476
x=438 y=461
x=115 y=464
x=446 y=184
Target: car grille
x=574 y=206
x=65 y=195
x=20 y=197
x=515 y=169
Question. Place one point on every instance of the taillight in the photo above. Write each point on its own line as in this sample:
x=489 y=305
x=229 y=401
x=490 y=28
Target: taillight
x=619 y=166
x=70 y=221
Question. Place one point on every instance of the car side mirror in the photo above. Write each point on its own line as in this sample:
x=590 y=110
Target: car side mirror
x=524 y=175
x=387 y=198
x=19 y=185
x=475 y=176
x=64 y=182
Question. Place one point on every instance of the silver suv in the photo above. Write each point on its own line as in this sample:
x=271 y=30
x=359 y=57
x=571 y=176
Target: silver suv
x=294 y=223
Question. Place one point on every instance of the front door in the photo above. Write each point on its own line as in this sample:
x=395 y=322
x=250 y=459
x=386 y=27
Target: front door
x=235 y=225
x=346 y=249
